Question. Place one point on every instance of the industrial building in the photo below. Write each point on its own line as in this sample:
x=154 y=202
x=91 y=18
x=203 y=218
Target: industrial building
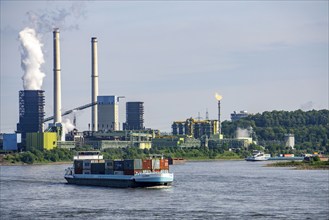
x=195 y=128
x=176 y=141
x=11 y=142
x=134 y=116
x=120 y=139
x=289 y=140
x=41 y=140
x=192 y=132
x=31 y=112
x=108 y=113
x=238 y=115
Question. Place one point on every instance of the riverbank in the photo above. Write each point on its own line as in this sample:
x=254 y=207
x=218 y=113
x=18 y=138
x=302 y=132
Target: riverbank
x=7 y=163
x=302 y=165
x=60 y=156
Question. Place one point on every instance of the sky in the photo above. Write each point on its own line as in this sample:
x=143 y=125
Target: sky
x=173 y=56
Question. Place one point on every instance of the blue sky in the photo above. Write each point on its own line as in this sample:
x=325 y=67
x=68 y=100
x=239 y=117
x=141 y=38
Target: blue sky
x=173 y=56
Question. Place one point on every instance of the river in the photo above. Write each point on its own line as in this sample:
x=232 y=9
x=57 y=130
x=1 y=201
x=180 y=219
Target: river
x=201 y=190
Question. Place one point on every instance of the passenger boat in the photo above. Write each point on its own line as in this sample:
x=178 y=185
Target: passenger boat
x=258 y=156
x=89 y=168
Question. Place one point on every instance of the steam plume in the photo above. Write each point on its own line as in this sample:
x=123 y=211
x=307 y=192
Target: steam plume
x=31 y=59
x=242 y=133
x=67 y=125
x=44 y=21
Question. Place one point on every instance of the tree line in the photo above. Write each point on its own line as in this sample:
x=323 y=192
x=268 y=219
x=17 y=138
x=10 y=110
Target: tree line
x=310 y=128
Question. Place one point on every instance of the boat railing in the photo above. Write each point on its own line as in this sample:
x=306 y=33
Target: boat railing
x=88 y=155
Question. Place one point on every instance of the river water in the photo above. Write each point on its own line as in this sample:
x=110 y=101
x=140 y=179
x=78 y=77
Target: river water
x=201 y=190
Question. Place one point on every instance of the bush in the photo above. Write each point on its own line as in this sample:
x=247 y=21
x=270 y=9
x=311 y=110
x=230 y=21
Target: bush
x=38 y=155
x=10 y=158
x=228 y=155
x=316 y=158
x=27 y=157
x=54 y=157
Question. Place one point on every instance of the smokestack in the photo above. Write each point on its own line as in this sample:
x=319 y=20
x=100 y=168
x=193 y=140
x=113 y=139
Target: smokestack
x=94 y=84
x=57 y=79
x=219 y=123
x=218 y=98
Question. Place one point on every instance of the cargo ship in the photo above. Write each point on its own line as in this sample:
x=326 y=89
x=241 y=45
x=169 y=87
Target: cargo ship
x=89 y=168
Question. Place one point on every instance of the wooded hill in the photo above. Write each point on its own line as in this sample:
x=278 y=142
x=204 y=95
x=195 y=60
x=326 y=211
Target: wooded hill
x=310 y=128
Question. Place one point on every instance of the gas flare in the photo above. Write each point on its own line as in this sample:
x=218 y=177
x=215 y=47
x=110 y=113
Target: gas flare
x=218 y=97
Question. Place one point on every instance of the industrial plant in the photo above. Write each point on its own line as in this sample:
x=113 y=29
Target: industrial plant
x=36 y=131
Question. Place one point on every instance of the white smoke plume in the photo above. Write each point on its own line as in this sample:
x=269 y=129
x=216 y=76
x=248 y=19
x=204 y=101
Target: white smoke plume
x=31 y=59
x=45 y=21
x=41 y=22
x=242 y=133
x=67 y=125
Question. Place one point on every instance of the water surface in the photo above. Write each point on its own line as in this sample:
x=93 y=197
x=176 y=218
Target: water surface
x=201 y=190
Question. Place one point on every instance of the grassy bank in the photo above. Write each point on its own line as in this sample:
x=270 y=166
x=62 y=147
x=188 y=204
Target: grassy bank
x=54 y=156
x=65 y=156
x=302 y=165
x=20 y=163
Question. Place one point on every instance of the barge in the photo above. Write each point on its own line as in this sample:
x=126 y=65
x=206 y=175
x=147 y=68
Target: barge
x=89 y=168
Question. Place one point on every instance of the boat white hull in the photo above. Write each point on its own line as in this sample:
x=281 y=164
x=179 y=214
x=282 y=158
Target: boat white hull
x=256 y=159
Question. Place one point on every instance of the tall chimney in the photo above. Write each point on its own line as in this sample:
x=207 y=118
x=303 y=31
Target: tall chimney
x=94 y=84
x=219 y=123
x=57 y=78
x=218 y=98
